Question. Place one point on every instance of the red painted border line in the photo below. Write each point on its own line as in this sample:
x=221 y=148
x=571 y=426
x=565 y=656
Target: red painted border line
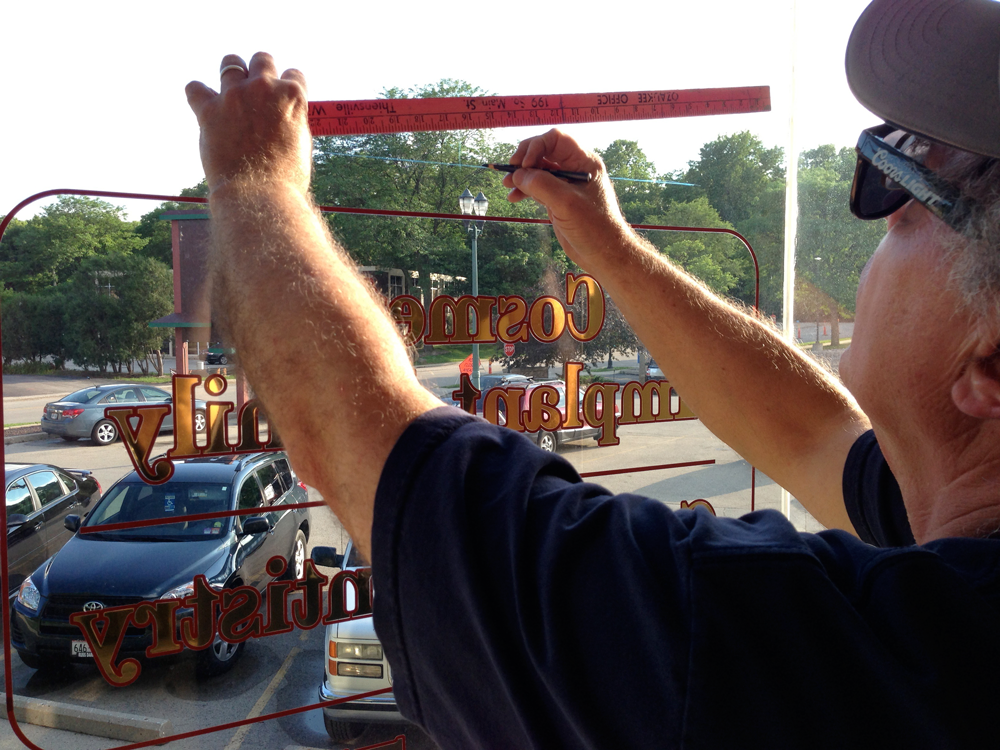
x=646 y=468
x=198 y=517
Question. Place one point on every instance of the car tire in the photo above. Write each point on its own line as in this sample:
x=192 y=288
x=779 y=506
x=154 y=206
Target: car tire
x=343 y=731
x=43 y=663
x=296 y=558
x=200 y=422
x=548 y=442
x=69 y=438
x=105 y=432
x=218 y=658
x=223 y=360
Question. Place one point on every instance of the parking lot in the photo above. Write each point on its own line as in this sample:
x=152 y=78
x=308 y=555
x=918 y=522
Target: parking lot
x=283 y=672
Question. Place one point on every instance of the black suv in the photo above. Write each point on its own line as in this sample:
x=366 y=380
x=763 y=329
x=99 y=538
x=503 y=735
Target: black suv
x=116 y=566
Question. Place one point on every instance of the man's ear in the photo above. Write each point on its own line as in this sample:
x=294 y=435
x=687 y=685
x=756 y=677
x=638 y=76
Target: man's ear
x=977 y=390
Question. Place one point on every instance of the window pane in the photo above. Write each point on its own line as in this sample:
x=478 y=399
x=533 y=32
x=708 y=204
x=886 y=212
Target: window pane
x=19 y=499
x=46 y=486
x=250 y=496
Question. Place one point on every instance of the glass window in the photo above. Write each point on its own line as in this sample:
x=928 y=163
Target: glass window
x=250 y=496
x=284 y=474
x=354 y=559
x=268 y=476
x=81 y=397
x=46 y=487
x=69 y=484
x=19 y=499
x=154 y=394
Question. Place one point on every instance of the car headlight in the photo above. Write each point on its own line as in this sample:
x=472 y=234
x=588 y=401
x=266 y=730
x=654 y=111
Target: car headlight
x=28 y=595
x=346 y=669
x=359 y=651
x=181 y=592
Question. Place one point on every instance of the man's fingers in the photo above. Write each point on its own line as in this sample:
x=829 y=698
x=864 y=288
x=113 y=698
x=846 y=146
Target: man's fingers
x=232 y=71
x=295 y=75
x=262 y=64
x=554 y=150
x=540 y=185
x=198 y=94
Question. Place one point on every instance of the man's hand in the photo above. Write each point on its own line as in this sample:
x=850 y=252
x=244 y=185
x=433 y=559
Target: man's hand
x=256 y=128
x=585 y=216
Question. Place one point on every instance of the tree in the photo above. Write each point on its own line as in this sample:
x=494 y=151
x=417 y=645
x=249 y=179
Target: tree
x=156 y=231
x=616 y=336
x=110 y=302
x=426 y=172
x=829 y=231
x=45 y=250
x=745 y=182
x=719 y=260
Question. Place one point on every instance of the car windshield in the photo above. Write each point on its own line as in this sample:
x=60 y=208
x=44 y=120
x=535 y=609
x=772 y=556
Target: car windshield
x=83 y=396
x=136 y=501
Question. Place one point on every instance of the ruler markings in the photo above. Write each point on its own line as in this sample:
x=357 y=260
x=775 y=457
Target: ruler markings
x=458 y=113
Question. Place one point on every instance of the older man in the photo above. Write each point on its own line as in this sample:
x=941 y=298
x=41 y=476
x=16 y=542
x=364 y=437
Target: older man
x=521 y=607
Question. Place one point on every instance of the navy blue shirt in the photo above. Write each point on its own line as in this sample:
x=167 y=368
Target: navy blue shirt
x=521 y=607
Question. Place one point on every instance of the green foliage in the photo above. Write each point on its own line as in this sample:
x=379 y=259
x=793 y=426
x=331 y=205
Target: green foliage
x=719 y=260
x=44 y=250
x=404 y=171
x=109 y=304
x=745 y=183
x=828 y=230
x=156 y=231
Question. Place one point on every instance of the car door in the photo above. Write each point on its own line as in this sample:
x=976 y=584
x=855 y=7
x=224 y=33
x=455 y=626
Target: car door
x=254 y=550
x=25 y=545
x=282 y=519
x=57 y=499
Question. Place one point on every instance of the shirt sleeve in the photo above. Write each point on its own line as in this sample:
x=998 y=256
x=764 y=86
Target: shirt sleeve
x=872 y=496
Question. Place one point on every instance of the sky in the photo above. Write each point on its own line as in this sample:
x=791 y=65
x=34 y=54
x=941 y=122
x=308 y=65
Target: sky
x=94 y=93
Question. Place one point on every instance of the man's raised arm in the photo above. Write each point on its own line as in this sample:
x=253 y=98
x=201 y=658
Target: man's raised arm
x=287 y=293
x=757 y=393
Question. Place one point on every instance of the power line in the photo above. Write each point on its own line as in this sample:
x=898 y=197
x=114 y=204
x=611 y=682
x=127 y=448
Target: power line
x=473 y=166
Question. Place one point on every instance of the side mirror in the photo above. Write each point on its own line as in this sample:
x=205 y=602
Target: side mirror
x=327 y=557
x=16 y=519
x=72 y=522
x=256 y=525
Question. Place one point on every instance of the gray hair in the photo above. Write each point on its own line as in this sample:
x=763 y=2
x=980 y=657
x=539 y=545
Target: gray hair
x=975 y=247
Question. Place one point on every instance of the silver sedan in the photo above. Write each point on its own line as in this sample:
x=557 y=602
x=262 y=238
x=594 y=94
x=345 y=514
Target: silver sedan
x=81 y=413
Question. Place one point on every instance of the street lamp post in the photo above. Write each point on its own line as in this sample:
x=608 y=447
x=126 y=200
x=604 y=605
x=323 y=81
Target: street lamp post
x=474 y=207
x=818 y=346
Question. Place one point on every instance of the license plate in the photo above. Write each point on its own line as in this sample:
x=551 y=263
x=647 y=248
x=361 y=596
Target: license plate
x=82 y=648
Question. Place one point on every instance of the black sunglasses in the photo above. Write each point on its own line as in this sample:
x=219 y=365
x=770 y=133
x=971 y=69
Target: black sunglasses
x=886 y=177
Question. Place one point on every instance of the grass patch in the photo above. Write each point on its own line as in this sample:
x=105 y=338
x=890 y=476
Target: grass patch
x=20 y=424
x=445 y=353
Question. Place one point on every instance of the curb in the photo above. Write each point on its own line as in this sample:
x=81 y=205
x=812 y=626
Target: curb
x=93 y=721
x=31 y=436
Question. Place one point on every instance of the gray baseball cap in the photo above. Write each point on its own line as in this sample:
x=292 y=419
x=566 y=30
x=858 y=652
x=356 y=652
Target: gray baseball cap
x=931 y=67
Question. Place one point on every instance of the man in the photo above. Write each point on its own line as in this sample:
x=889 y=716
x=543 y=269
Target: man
x=521 y=607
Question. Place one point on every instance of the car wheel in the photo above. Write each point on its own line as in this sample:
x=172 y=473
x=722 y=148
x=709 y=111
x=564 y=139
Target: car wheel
x=43 y=663
x=297 y=558
x=547 y=442
x=69 y=438
x=199 y=421
x=223 y=360
x=219 y=658
x=105 y=432
x=343 y=731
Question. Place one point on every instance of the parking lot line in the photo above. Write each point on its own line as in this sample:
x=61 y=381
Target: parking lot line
x=265 y=698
